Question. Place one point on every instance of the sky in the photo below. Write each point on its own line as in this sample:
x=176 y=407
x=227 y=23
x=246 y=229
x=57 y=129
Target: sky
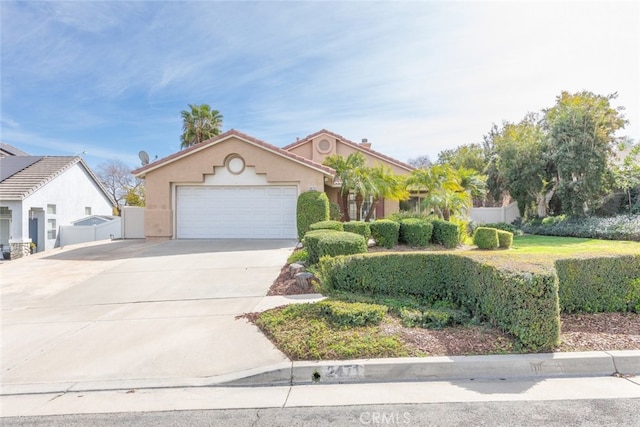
x=415 y=78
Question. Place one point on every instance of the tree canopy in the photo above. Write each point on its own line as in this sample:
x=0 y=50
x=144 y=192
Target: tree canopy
x=199 y=124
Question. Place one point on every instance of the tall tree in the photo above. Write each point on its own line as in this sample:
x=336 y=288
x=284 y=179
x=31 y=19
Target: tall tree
x=387 y=185
x=582 y=129
x=469 y=156
x=521 y=162
x=116 y=177
x=199 y=123
x=420 y=162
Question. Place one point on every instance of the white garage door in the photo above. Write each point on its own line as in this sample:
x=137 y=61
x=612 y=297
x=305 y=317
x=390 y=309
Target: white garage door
x=236 y=212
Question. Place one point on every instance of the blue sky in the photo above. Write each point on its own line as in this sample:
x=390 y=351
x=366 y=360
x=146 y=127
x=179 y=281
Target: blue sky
x=415 y=78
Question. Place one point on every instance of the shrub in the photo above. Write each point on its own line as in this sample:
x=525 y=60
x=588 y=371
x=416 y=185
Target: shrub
x=505 y=239
x=415 y=232
x=623 y=227
x=486 y=238
x=298 y=255
x=311 y=241
x=603 y=284
x=523 y=304
x=358 y=227
x=501 y=226
x=312 y=206
x=334 y=211
x=445 y=233
x=385 y=232
x=341 y=243
x=432 y=318
x=348 y=314
x=326 y=225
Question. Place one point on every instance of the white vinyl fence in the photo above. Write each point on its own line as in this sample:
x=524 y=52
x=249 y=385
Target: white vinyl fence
x=506 y=214
x=73 y=234
x=132 y=222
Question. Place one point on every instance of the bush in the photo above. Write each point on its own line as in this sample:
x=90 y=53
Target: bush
x=505 y=239
x=415 y=232
x=623 y=227
x=432 y=318
x=348 y=314
x=486 y=238
x=341 y=243
x=358 y=227
x=312 y=206
x=445 y=233
x=599 y=284
x=501 y=226
x=523 y=304
x=311 y=241
x=385 y=232
x=334 y=211
x=298 y=256
x=327 y=225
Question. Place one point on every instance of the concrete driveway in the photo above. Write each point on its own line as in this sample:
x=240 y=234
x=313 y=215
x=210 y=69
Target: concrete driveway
x=136 y=313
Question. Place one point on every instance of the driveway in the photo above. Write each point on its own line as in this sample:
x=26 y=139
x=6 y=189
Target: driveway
x=133 y=312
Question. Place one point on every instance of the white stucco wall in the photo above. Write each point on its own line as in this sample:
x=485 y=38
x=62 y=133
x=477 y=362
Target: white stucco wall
x=71 y=192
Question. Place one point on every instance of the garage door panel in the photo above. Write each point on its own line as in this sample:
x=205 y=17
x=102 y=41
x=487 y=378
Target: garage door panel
x=236 y=212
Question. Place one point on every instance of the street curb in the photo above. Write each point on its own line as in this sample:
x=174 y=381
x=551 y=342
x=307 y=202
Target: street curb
x=543 y=365
x=494 y=367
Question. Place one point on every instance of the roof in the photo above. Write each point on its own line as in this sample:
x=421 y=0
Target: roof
x=23 y=175
x=355 y=145
x=10 y=150
x=140 y=172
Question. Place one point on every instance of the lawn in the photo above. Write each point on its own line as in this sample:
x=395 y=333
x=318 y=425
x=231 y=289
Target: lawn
x=303 y=335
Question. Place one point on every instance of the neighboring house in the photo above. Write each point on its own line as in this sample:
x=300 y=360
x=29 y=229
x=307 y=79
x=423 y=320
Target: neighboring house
x=9 y=150
x=235 y=186
x=40 y=193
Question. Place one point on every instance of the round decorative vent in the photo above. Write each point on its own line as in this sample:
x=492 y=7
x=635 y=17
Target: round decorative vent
x=235 y=165
x=324 y=146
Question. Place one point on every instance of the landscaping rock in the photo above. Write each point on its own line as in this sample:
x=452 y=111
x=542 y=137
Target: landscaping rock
x=295 y=268
x=304 y=281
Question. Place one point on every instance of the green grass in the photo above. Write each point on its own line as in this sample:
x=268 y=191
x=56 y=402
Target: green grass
x=302 y=333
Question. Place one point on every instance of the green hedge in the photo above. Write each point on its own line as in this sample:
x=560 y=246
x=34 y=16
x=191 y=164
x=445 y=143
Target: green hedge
x=505 y=239
x=523 y=304
x=486 y=238
x=415 y=232
x=599 y=284
x=445 y=233
x=358 y=227
x=341 y=243
x=623 y=227
x=501 y=226
x=311 y=241
x=312 y=206
x=327 y=225
x=385 y=232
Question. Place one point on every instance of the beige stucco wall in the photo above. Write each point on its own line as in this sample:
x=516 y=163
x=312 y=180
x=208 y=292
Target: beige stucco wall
x=191 y=169
x=311 y=151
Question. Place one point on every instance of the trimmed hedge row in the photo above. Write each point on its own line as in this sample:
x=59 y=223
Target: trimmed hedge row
x=358 y=227
x=445 y=233
x=415 y=232
x=332 y=243
x=623 y=227
x=385 y=232
x=604 y=284
x=327 y=225
x=524 y=304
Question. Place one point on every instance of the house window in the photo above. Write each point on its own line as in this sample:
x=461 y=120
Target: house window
x=87 y=210
x=51 y=209
x=51 y=229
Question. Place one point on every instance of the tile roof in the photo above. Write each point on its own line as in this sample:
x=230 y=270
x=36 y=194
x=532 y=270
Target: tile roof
x=350 y=143
x=195 y=148
x=26 y=174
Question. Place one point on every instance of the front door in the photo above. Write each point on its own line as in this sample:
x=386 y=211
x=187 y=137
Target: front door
x=33 y=231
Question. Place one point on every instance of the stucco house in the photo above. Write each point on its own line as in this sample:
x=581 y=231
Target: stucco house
x=40 y=193
x=237 y=186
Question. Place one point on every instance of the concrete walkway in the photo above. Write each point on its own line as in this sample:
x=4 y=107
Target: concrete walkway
x=133 y=313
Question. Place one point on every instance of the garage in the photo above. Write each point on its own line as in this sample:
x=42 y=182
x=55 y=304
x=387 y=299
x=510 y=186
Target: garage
x=262 y=212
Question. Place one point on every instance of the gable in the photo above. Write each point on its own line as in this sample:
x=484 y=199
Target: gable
x=324 y=143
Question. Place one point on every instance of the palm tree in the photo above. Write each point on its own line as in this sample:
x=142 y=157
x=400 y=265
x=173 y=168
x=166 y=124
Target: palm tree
x=388 y=185
x=199 y=124
x=350 y=174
